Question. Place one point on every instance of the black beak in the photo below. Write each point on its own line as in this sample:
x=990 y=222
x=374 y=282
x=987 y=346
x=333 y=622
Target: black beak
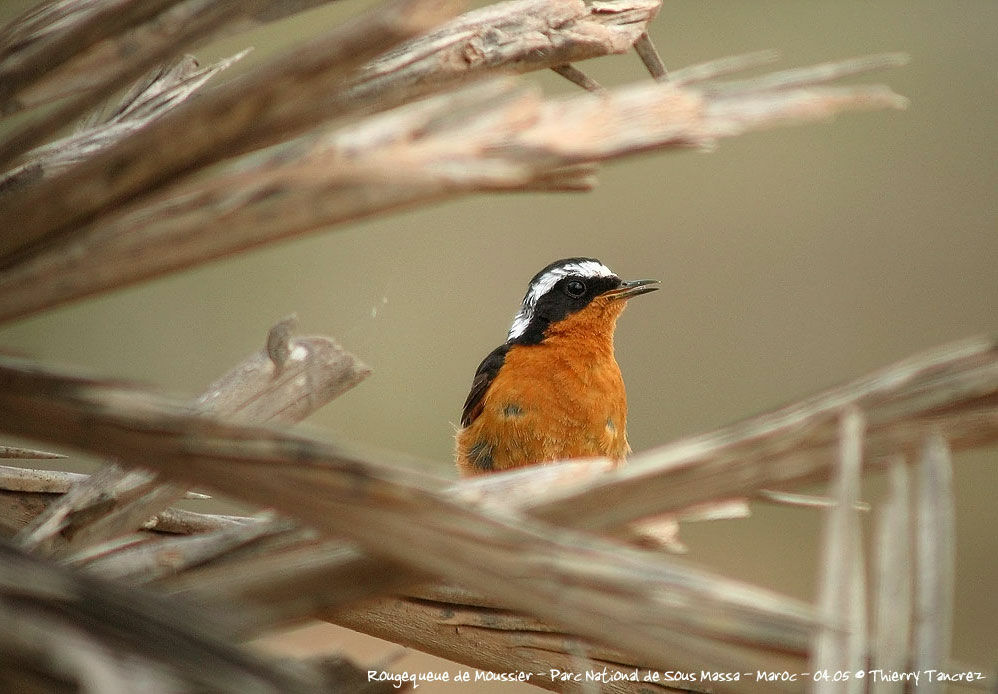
x=628 y=290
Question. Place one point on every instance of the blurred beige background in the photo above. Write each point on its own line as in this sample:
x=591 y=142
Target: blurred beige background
x=790 y=260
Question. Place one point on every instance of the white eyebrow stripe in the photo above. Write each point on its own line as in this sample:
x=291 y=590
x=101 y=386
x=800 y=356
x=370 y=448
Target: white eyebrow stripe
x=585 y=268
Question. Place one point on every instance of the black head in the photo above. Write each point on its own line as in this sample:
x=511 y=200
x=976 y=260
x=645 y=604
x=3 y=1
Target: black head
x=564 y=287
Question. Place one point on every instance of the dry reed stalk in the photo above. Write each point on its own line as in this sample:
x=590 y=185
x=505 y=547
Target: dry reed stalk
x=177 y=521
x=92 y=510
x=304 y=581
x=578 y=77
x=840 y=646
x=935 y=558
x=18 y=508
x=276 y=573
x=891 y=638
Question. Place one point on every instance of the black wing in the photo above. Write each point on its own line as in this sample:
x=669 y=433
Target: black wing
x=484 y=376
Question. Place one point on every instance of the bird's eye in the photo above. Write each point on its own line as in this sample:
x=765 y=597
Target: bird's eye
x=575 y=288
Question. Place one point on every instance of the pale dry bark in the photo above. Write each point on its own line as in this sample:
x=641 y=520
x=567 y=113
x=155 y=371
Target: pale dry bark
x=935 y=557
x=163 y=90
x=115 y=41
x=92 y=53
x=840 y=645
x=284 y=382
x=891 y=634
x=59 y=627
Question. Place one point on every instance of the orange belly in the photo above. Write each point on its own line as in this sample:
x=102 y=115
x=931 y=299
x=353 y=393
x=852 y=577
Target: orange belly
x=547 y=403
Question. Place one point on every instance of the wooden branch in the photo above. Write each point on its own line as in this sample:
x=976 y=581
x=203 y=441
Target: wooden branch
x=113 y=59
x=310 y=372
x=230 y=563
x=87 y=505
x=712 y=69
x=714 y=593
x=970 y=363
x=295 y=583
x=119 y=59
x=891 y=637
x=513 y=36
x=803 y=500
x=55 y=619
x=15 y=452
x=577 y=76
x=491 y=137
x=51 y=34
x=504 y=642
x=935 y=558
x=16 y=479
x=649 y=56
x=330 y=575
x=587 y=585
x=288 y=380
x=17 y=509
x=177 y=554
x=163 y=90
x=289 y=95
x=796 y=78
x=308 y=580
x=840 y=644
x=512 y=492
x=19 y=479
x=177 y=521
x=520 y=35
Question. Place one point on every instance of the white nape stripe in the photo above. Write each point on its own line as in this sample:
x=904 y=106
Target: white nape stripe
x=544 y=283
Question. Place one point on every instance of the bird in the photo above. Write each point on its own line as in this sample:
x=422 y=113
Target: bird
x=553 y=390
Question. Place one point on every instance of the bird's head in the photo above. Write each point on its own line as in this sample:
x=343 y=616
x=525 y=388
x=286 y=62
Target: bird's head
x=573 y=295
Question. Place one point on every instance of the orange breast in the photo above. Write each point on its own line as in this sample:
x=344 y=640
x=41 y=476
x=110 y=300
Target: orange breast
x=550 y=401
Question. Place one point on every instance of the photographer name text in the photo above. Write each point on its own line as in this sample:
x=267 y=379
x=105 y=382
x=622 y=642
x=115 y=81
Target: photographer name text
x=607 y=675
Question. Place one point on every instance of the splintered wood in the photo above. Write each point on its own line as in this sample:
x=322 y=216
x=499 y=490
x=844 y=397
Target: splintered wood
x=130 y=209
x=475 y=531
